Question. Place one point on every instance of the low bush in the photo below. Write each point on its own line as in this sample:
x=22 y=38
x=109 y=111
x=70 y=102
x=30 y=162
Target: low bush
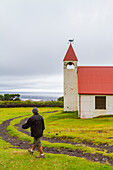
x=28 y=103
x=61 y=98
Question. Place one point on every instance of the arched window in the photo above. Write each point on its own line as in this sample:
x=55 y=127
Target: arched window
x=70 y=65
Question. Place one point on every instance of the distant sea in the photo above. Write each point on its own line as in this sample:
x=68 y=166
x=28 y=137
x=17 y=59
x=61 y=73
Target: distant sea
x=37 y=96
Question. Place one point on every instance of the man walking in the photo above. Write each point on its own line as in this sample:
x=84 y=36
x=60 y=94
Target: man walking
x=36 y=123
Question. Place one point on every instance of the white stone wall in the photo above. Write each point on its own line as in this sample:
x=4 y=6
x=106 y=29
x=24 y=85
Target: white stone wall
x=87 y=106
x=70 y=87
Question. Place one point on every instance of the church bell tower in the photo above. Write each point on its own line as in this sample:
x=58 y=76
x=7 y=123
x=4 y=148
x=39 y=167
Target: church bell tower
x=70 y=80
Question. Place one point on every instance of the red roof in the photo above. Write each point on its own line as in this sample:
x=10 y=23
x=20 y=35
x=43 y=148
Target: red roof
x=70 y=55
x=95 y=80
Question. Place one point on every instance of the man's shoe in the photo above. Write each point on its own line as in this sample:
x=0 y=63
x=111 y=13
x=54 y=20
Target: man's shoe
x=40 y=156
x=31 y=152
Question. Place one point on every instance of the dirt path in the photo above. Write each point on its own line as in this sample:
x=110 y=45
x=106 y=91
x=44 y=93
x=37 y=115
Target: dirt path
x=100 y=147
x=25 y=145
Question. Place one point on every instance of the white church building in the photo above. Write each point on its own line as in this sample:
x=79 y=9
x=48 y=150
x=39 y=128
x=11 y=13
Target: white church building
x=88 y=89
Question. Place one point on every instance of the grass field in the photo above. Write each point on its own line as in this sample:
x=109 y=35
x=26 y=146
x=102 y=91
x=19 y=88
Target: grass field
x=65 y=126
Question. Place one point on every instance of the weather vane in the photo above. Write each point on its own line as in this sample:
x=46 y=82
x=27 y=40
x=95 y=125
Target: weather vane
x=71 y=40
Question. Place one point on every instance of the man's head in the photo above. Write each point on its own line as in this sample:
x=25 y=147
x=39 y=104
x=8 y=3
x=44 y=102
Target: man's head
x=35 y=110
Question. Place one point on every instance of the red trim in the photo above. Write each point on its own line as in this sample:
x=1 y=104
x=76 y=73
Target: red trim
x=95 y=66
x=95 y=93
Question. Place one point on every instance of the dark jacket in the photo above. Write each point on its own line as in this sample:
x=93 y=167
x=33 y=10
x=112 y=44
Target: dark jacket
x=36 y=123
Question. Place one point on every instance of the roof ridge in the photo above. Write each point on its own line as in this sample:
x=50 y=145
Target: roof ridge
x=95 y=66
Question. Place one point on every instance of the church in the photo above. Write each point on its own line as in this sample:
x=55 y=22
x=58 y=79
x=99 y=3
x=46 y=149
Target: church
x=87 y=89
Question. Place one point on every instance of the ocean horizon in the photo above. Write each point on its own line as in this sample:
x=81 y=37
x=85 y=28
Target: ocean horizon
x=36 y=96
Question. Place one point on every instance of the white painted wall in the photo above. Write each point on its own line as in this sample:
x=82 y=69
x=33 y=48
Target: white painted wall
x=70 y=87
x=87 y=106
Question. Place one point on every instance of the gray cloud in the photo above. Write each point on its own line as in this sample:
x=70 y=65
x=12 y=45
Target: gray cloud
x=41 y=83
x=34 y=34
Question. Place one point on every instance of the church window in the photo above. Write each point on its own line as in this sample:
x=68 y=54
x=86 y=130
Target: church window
x=100 y=102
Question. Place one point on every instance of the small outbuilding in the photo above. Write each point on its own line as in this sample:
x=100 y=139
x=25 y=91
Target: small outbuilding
x=88 y=89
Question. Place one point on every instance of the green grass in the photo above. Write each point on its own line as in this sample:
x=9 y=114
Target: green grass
x=67 y=125
x=20 y=159
x=91 y=130
x=12 y=130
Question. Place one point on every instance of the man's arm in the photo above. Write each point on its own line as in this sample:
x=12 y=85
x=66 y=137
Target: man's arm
x=43 y=126
x=28 y=124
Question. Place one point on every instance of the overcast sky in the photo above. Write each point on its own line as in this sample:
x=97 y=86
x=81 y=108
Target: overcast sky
x=34 y=36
